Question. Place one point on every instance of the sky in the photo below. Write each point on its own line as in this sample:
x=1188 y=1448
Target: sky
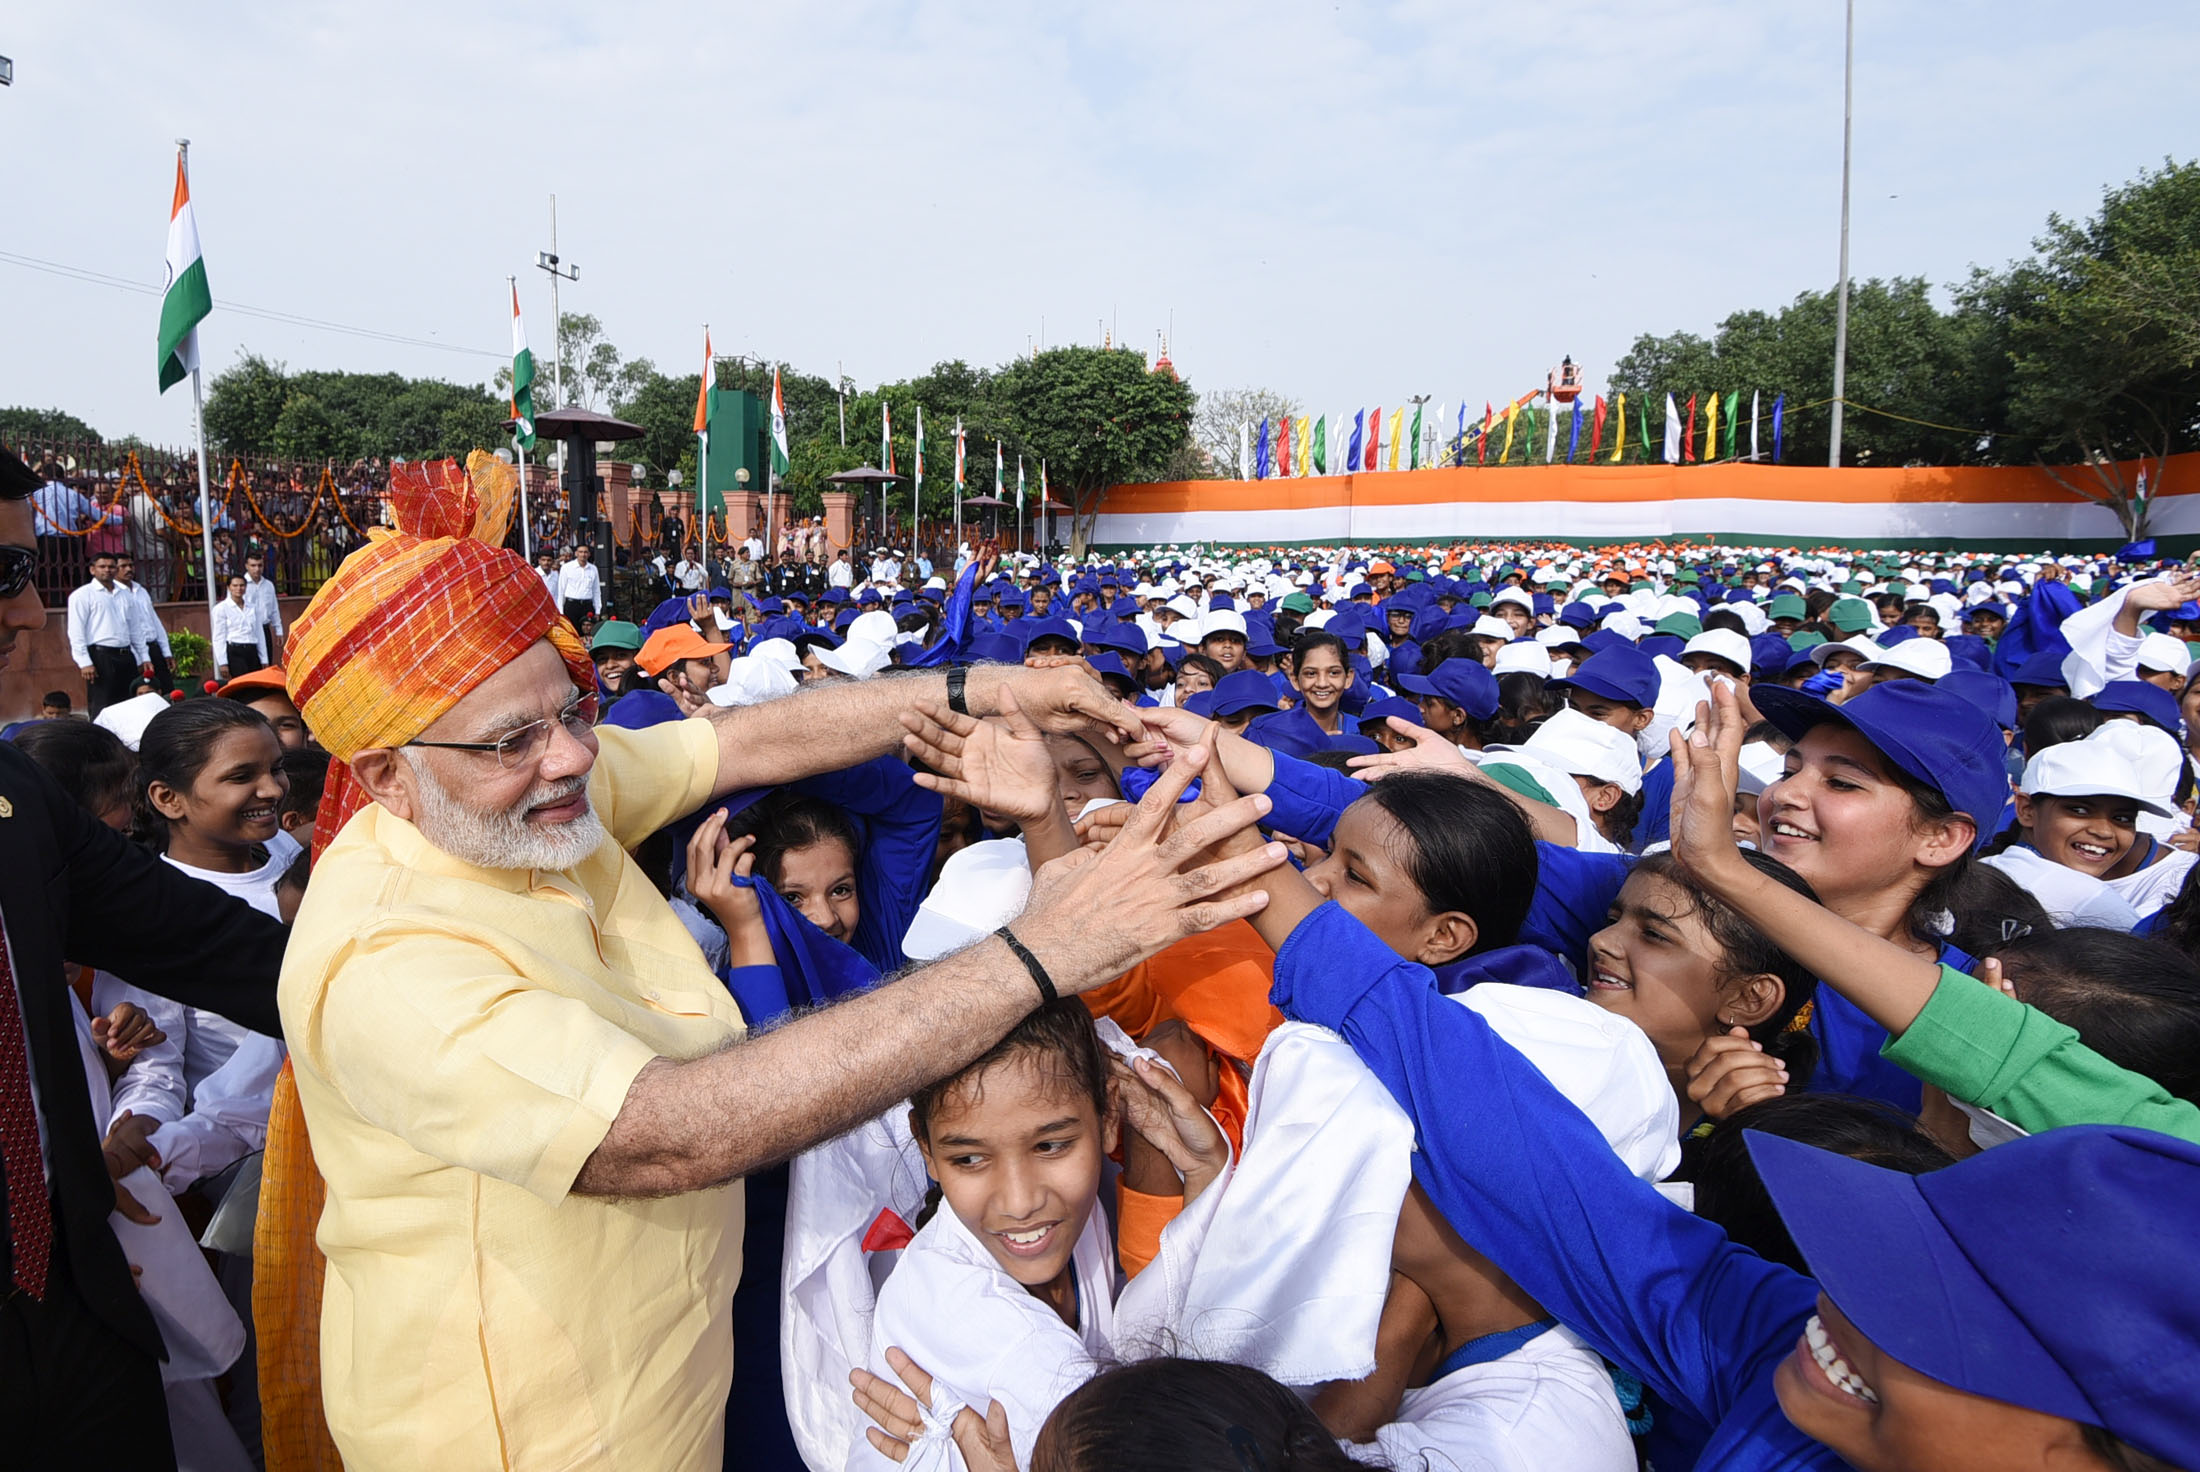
x=1345 y=204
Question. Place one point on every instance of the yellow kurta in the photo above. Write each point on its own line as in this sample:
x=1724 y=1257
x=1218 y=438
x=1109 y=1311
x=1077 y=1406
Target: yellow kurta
x=462 y=1040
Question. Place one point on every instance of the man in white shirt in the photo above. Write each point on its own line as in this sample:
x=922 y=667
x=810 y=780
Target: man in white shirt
x=687 y=573
x=259 y=596
x=145 y=624
x=842 y=574
x=239 y=638
x=580 y=590
x=546 y=567
x=106 y=652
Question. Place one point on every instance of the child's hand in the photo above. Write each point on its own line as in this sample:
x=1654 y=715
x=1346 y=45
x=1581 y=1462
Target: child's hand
x=1430 y=751
x=1706 y=775
x=712 y=863
x=1186 y=1052
x=1097 y=829
x=1731 y=1072
x=1166 y=1117
x=129 y=1145
x=1215 y=792
x=123 y=1034
x=983 y=1442
x=998 y=766
x=1990 y=972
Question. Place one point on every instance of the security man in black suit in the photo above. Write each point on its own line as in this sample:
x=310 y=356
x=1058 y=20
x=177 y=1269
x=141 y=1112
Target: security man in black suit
x=79 y=1354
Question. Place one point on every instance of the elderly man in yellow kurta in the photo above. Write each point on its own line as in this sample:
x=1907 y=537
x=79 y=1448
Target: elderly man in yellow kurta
x=530 y=1097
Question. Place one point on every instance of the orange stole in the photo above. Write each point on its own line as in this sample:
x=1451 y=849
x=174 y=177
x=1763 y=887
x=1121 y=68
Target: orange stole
x=287 y=1272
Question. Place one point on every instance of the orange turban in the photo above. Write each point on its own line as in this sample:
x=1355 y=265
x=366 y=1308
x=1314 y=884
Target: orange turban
x=418 y=617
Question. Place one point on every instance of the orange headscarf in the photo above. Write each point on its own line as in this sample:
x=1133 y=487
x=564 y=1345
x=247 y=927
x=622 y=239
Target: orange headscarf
x=417 y=618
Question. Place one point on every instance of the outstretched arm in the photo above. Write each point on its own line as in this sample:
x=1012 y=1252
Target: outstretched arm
x=684 y=1126
x=828 y=727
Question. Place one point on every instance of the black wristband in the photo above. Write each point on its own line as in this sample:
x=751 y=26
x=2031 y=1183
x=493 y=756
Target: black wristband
x=957 y=677
x=1039 y=976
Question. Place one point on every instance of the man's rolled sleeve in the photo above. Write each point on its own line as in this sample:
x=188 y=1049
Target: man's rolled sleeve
x=425 y=1038
x=646 y=779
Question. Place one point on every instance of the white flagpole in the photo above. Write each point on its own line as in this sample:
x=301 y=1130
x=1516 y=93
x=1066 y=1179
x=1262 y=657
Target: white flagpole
x=702 y=470
x=526 y=522
x=206 y=509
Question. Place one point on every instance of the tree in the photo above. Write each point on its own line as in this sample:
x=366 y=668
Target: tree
x=24 y=425
x=665 y=409
x=1098 y=417
x=1217 y=422
x=243 y=403
x=2103 y=339
x=258 y=407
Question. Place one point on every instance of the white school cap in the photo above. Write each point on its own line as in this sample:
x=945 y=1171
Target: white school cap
x=980 y=889
x=1722 y=644
x=858 y=658
x=2153 y=754
x=1928 y=659
x=875 y=627
x=776 y=651
x=1761 y=766
x=129 y=718
x=1222 y=621
x=1602 y=1063
x=1857 y=644
x=2164 y=653
x=2087 y=769
x=1579 y=746
x=1490 y=627
x=1514 y=595
x=1523 y=654
x=751 y=680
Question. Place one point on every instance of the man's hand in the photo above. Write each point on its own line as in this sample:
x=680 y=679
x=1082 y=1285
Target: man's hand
x=1066 y=697
x=1430 y=752
x=87 y=672
x=997 y=766
x=1151 y=883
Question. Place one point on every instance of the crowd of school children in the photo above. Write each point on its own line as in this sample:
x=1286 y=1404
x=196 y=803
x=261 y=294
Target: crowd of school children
x=1724 y=1010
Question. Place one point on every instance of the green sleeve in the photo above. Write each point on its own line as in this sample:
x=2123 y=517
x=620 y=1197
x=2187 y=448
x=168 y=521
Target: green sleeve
x=1989 y=1049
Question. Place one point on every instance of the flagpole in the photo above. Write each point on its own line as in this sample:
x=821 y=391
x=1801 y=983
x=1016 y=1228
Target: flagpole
x=206 y=511
x=526 y=522
x=702 y=463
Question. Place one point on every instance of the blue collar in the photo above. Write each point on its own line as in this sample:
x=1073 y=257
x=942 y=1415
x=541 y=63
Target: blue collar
x=1490 y=1347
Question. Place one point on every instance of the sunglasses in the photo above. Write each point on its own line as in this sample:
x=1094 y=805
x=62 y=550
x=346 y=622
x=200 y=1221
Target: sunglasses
x=16 y=566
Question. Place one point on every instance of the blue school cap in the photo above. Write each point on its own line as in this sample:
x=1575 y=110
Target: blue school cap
x=2138 y=698
x=1391 y=705
x=2054 y=1272
x=1989 y=692
x=1050 y=627
x=1940 y=738
x=1669 y=645
x=1354 y=742
x=1969 y=651
x=1618 y=671
x=1578 y=614
x=1110 y=663
x=1599 y=640
x=1263 y=645
x=836 y=595
x=1769 y=651
x=996 y=649
x=1244 y=690
x=2043 y=669
x=1291 y=732
x=1466 y=683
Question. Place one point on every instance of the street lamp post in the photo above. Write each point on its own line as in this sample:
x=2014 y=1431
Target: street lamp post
x=1841 y=303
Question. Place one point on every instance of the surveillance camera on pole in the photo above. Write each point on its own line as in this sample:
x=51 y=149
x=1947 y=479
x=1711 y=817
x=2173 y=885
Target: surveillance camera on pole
x=7 y=72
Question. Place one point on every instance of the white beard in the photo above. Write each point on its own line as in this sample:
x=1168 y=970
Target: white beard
x=504 y=839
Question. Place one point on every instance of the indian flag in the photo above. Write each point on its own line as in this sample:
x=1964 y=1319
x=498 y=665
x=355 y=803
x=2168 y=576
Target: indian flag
x=523 y=381
x=702 y=393
x=779 y=428
x=185 y=300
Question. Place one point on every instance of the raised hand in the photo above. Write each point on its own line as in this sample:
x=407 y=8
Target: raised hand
x=1430 y=752
x=1064 y=695
x=129 y=1144
x=1731 y=1072
x=1163 y=1113
x=1153 y=883
x=2173 y=590
x=713 y=861
x=997 y=766
x=1706 y=775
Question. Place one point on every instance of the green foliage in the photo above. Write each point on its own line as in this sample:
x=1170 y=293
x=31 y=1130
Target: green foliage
x=1098 y=417
x=192 y=654
x=665 y=409
x=258 y=407
x=24 y=425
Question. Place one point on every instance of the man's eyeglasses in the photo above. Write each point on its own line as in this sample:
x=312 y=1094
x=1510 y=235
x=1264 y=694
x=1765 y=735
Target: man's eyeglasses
x=16 y=566
x=522 y=745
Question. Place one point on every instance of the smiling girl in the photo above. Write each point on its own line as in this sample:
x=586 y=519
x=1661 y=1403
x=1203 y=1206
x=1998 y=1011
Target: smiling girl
x=1321 y=674
x=1705 y=984
x=1007 y=1295
x=211 y=778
